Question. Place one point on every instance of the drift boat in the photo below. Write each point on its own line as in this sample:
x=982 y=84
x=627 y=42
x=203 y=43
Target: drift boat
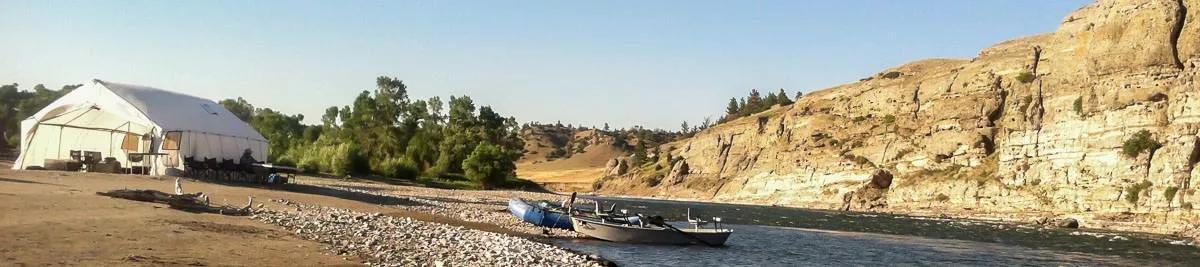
x=546 y=214
x=655 y=232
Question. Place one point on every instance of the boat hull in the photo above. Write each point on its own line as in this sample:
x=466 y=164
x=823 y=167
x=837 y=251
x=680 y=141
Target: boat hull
x=537 y=215
x=599 y=229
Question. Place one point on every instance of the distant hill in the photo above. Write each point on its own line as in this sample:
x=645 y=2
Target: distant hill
x=571 y=159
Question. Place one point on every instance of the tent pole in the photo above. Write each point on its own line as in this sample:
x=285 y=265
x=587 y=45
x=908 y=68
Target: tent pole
x=80 y=115
x=58 y=152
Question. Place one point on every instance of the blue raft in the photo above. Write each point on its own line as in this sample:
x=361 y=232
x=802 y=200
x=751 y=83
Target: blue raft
x=542 y=215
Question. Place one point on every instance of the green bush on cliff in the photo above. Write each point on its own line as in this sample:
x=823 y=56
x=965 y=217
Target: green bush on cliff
x=1134 y=192
x=889 y=119
x=1025 y=77
x=1140 y=142
x=1169 y=193
x=891 y=75
x=942 y=197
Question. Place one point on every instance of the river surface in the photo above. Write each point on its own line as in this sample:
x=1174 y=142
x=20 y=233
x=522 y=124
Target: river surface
x=779 y=236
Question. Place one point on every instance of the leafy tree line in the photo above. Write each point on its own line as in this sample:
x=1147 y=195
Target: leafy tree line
x=755 y=103
x=16 y=105
x=385 y=132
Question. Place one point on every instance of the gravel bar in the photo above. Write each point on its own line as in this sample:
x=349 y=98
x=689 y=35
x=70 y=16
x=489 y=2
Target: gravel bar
x=383 y=240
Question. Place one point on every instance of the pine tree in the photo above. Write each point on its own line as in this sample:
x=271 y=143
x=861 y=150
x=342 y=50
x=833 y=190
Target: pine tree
x=733 y=109
x=770 y=101
x=783 y=97
x=683 y=128
x=754 y=103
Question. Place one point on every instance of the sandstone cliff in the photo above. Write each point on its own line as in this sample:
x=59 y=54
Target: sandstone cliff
x=1033 y=127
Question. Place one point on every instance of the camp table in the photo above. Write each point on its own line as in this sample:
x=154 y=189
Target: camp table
x=273 y=168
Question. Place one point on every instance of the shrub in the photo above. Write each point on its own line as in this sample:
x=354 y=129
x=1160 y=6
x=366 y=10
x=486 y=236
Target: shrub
x=309 y=165
x=556 y=153
x=1078 y=105
x=1140 y=142
x=1134 y=192
x=488 y=166
x=399 y=167
x=942 y=197
x=1025 y=77
x=452 y=177
x=891 y=75
x=889 y=119
x=859 y=119
x=1169 y=193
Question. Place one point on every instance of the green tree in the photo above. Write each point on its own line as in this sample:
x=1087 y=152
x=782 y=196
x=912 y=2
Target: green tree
x=639 y=151
x=754 y=103
x=281 y=130
x=489 y=166
x=330 y=118
x=733 y=109
x=783 y=97
x=770 y=100
x=1138 y=143
x=239 y=107
x=383 y=132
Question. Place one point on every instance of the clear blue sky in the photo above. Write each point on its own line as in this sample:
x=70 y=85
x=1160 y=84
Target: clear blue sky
x=652 y=63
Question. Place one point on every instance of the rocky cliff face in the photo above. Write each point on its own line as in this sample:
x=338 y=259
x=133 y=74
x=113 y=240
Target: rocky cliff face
x=1036 y=125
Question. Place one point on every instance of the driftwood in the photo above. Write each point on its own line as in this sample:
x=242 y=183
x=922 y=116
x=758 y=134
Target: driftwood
x=195 y=202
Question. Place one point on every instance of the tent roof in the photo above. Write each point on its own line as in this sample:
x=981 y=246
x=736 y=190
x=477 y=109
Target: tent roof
x=168 y=110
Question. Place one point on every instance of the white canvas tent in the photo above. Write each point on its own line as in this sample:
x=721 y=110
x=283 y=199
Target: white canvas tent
x=116 y=119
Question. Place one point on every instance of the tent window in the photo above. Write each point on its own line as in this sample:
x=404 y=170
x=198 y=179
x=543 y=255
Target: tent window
x=208 y=109
x=171 y=140
x=130 y=143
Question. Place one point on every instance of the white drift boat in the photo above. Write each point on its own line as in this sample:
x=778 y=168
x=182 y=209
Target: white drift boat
x=655 y=232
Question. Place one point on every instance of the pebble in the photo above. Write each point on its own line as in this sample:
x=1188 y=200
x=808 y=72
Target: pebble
x=383 y=240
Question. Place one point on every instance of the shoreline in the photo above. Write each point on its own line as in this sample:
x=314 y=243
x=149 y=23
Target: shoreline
x=1087 y=221
x=360 y=206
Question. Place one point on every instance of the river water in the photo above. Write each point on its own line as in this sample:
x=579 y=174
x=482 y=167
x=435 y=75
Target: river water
x=779 y=236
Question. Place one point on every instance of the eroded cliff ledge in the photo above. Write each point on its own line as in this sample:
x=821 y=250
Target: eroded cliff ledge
x=1032 y=126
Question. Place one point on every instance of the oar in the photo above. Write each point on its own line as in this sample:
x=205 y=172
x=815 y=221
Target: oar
x=669 y=226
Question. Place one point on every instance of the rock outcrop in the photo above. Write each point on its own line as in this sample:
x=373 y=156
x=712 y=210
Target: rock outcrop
x=1040 y=124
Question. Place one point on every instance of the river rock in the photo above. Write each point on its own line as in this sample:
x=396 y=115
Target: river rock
x=1066 y=223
